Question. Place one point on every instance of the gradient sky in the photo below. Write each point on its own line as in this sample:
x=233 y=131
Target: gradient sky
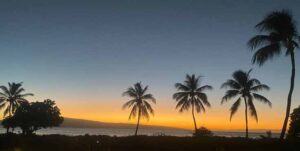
x=84 y=54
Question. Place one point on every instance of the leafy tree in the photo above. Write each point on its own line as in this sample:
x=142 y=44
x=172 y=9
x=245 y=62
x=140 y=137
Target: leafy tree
x=191 y=95
x=279 y=34
x=244 y=87
x=31 y=117
x=294 y=129
x=138 y=103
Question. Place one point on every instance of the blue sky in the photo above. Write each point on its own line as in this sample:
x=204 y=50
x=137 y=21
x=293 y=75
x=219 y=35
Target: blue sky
x=93 y=50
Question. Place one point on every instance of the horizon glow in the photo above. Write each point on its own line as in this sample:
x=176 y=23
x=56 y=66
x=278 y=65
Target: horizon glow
x=84 y=55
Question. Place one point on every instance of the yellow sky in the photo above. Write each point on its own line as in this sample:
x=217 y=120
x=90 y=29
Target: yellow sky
x=216 y=118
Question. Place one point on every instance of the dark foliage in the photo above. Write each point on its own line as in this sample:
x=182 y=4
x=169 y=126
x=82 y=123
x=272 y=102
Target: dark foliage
x=294 y=129
x=11 y=97
x=203 y=132
x=140 y=143
x=34 y=116
x=278 y=33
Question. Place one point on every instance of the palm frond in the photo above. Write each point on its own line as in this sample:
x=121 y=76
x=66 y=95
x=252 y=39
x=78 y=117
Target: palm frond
x=262 y=99
x=19 y=90
x=2 y=105
x=259 y=87
x=145 y=90
x=266 y=53
x=138 y=88
x=259 y=40
x=130 y=92
x=144 y=113
x=253 y=81
x=182 y=101
x=149 y=108
x=231 y=84
x=181 y=87
x=3 y=95
x=235 y=107
x=177 y=96
x=199 y=106
x=278 y=21
x=241 y=77
x=149 y=97
x=229 y=95
x=5 y=90
x=129 y=104
x=251 y=107
x=133 y=112
x=185 y=106
x=203 y=88
x=6 y=111
x=203 y=98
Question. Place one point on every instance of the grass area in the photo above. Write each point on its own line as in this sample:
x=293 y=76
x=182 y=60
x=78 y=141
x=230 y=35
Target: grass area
x=140 y=143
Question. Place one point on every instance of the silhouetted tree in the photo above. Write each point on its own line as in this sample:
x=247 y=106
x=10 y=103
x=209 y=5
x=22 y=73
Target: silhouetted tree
x=280 y=34
x=11 y=97
x=243 y=87
x=31 y=117
x=138 y=104
x=203 y=132
x=191 y=94
x=294 y=129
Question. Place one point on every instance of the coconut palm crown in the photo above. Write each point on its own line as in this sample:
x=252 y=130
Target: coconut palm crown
x=244 y=88
x=11 y=97
x=278 y=34
x=139 y=102
x=191 y=95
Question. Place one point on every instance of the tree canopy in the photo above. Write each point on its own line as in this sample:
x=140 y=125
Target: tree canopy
x=33 y=116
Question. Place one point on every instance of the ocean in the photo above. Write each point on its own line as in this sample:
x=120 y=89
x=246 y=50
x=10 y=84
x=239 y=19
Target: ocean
x=143 y=131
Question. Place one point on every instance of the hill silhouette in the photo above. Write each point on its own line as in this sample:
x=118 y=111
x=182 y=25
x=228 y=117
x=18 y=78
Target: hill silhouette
x=82 y=123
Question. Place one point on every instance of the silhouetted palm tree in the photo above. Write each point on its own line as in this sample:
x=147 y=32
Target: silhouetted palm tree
x=11 y=97
x=190 y=94
x=280 y=34
x=139 y=105
x=243 y=87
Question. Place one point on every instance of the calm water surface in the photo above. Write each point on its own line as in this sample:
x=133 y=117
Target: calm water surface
x=143 y=131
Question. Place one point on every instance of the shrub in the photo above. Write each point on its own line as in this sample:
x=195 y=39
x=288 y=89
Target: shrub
x=203 y=132
x=294 y=129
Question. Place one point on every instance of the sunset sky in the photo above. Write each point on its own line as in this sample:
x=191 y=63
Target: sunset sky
x=84 y=54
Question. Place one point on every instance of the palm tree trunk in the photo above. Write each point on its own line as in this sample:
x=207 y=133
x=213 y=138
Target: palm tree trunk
x=138 y=123
x=195 y=124
x=9 y=115
x=246 y=116
x=289 y=100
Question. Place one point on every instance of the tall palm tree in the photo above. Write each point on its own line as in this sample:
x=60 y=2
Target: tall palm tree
x=279 y=33
x=138 y=103
x=11 y=97
x=191 y=94
x=243 y=87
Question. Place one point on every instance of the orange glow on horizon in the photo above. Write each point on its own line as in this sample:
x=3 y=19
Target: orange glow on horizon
x=216 y=118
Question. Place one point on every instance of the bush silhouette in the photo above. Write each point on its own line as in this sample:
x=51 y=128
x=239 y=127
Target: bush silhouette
x=294 y=129
x=31 y=117
x=202 y=132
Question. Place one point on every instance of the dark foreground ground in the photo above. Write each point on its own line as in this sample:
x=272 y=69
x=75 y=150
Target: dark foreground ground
x=141 y=143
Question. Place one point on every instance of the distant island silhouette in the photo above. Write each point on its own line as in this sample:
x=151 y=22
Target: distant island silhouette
x=82 y=123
